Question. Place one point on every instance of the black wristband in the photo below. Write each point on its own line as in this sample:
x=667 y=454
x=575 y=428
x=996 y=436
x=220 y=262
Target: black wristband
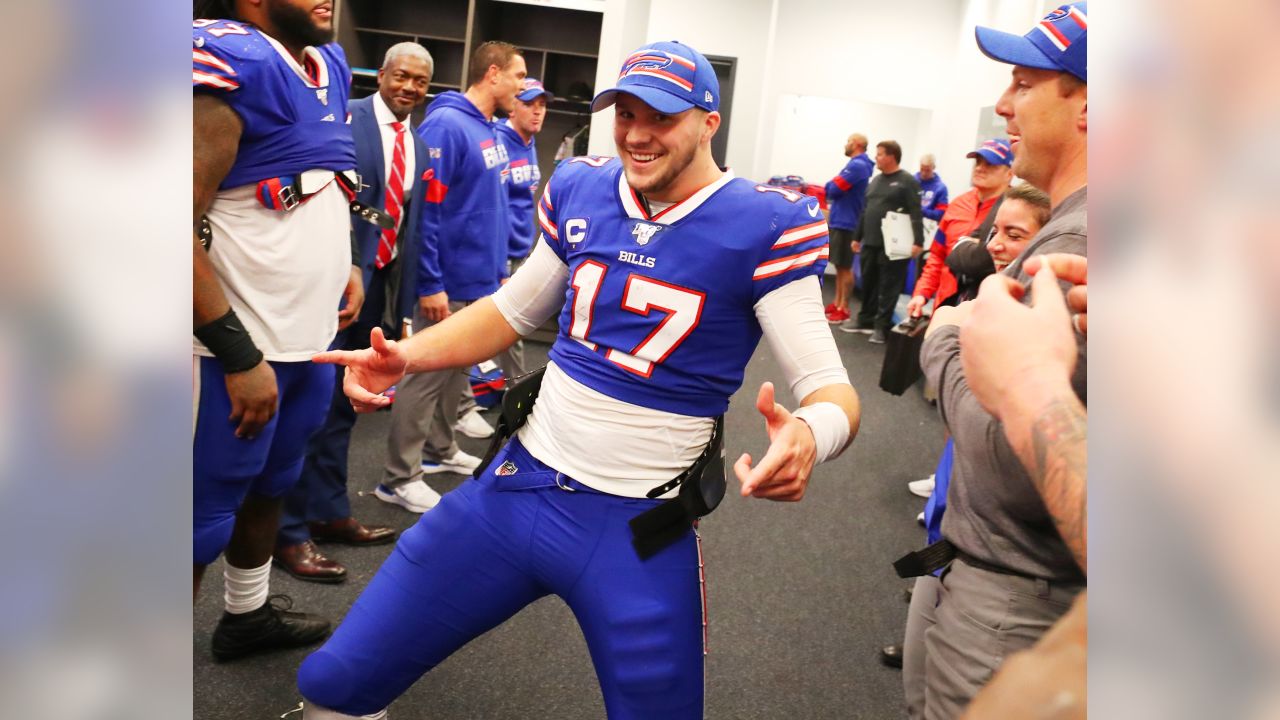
x=227 y=339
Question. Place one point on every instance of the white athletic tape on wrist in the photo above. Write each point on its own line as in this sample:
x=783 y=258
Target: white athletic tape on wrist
x=830 y=428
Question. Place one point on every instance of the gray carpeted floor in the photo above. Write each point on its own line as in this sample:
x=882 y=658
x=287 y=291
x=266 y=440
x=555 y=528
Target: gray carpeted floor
x=801 y=596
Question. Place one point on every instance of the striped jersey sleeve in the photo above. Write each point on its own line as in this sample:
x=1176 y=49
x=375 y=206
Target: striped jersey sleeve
x=212 y=68
x=547 y=219
x=799 y=250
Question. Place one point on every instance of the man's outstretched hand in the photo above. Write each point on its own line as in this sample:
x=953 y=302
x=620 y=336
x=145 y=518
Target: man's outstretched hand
x=783 y=472
x=369 y=371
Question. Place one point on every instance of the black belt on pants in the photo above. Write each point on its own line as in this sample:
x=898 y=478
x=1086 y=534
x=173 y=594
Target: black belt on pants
x=938 y=556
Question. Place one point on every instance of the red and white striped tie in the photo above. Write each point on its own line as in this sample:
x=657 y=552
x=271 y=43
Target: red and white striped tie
x=395 y=199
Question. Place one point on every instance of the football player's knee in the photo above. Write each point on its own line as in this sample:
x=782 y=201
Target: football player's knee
x=210 y=537
x=647 y=662
x=641 y=681
x=325 y=680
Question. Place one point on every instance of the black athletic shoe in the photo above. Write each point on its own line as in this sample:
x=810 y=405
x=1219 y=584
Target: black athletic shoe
x=891 y=656
x=271 y=627
x=877 y=337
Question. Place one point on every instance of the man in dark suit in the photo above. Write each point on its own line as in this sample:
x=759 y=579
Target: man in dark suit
x=391 y=159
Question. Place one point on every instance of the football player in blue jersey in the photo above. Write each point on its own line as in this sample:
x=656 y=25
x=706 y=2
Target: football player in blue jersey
x=272 y=260
x=666 y=272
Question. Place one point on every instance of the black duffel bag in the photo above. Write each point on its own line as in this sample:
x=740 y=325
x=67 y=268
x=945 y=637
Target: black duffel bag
x=902 y=355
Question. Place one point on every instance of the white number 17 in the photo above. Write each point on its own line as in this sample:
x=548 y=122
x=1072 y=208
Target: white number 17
x=641 y=295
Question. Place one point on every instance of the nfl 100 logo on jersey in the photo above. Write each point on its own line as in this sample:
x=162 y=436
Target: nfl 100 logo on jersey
x=644 y=232
x=494 y=153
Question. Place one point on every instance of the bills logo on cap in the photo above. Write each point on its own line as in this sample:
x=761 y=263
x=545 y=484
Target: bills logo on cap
x=996 y=147
x=660 y=64
x=1048 y=25
x=1059 y=42
x=667 y=76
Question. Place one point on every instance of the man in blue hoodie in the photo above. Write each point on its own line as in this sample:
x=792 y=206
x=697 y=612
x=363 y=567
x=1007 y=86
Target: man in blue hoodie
x=462 y=255
x=519 y=133
x=933 y=192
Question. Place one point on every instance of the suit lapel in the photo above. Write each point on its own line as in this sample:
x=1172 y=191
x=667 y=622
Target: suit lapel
x=373 y=136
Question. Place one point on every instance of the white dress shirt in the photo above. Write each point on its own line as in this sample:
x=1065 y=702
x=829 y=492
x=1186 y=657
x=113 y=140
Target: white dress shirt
x=385 y=117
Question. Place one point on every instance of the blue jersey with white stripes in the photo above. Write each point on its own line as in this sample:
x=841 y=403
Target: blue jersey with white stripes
x=659 y=311
x=294 y=116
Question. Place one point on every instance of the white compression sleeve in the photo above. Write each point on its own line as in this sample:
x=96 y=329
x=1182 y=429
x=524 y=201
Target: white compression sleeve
x=535 y=292
x=800 y=337
x=830 y=428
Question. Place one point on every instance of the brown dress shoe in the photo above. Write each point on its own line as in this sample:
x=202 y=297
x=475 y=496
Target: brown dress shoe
x=349 y=531
x=305 y=562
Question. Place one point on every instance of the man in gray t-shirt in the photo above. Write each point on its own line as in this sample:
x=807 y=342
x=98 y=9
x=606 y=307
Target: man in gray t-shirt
x=1013 y=575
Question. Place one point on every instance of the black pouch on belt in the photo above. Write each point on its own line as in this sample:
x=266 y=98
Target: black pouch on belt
x=701 y=490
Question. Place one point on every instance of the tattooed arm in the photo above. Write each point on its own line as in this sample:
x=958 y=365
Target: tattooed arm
x=1049 y=430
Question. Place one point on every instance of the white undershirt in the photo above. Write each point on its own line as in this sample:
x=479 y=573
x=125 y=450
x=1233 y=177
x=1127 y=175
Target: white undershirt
x=385 y=117
x=625 y=449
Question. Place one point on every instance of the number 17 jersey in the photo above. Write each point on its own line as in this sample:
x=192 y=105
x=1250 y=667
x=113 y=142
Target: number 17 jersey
x=660 y=309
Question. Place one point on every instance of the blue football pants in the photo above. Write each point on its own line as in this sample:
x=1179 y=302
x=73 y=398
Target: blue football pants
x=225 y=468
x=493 y=546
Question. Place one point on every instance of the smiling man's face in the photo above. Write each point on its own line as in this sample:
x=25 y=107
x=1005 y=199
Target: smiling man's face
x=403 y=83
x=655 y=147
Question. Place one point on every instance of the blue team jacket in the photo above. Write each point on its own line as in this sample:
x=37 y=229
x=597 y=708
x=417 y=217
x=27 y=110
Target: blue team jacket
x=933 y=197
x=465 y=226
x=522 y=188
x=847 y=193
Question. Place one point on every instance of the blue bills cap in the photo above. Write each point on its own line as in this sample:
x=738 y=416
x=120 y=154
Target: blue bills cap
x=669 y=77
x=995 y=152
x=1059 y=42
x=532 y=89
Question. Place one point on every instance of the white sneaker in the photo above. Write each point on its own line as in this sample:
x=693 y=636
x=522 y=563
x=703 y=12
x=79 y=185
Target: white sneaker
x=460 y=463
x=920 y=519
x=473 y=426
x=921 y=488
x=416 y=496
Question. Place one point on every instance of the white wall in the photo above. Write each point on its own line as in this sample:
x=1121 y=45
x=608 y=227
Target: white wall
x=810 y=132
x=812 y=71
x=623 y=28
x=973 y=82
x=871 y=55
x=733 y=28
